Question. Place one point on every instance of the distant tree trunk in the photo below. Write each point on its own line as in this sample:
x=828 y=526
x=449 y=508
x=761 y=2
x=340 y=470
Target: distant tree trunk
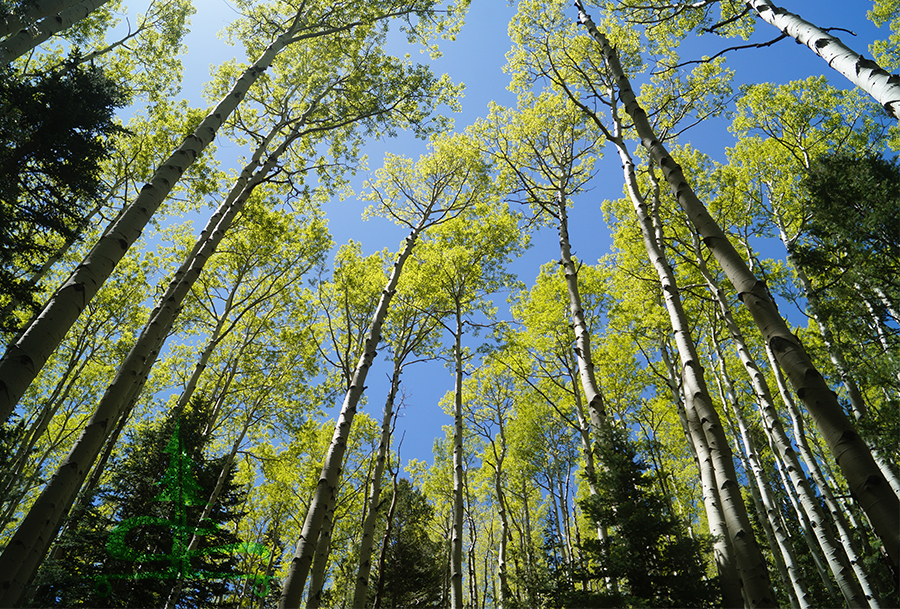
x=334 y=458
x=388 y=529
x=866 y=480
x=456 y=539
x=862 y=72
x=766 y=507
x=368 y=529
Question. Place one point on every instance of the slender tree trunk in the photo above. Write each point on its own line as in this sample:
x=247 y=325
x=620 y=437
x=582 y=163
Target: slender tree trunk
x=723 y=550
x=750 y=563
x=839 y=562
x=45 y=516
x=382 y=557
x=456 y=539
x=320 y=562
x=175 y=593
x=866 y=480
x=25 y=359
x=368 y=528
x=592 y=393
x=862 y=72
x=334 y=458
x=779 y=540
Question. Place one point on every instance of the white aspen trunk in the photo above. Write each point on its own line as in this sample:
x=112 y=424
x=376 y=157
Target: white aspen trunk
x=295 y=581
x=834 y=508
x=862 y=72
x=368 y=529
x=323 y=550
x=595 y=405
x=46 y=514
x=10 y=23
x=839 y=562
x=723 y=551
x=25 y=359
x=502 y=574
x=867 y=482
x=456 y=574
x=750 y=563
x=30 y=37
x=388 y=528
x=766 y=505
x=857 y=402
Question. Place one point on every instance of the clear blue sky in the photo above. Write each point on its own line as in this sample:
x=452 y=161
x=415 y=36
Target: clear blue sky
x=476 y=58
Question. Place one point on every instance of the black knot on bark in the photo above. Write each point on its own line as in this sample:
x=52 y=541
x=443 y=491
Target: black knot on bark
x=873 y=481
x=779 y=344
x=821 y=43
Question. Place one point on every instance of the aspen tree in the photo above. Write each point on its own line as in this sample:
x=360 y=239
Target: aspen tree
x=866 y=480
x=438 y=188
x=24 y=359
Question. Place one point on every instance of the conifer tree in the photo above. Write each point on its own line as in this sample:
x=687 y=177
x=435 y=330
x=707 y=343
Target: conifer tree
x=127 y=547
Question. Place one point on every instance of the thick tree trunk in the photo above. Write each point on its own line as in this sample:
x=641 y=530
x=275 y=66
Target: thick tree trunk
x=30 y=37
x=839 y=562
x=10 y=23
x=368 y=529
x=862 y=72
x=25 y=359
x=327 y=486
x=857 y=401
x=320 y=562
x=866 y=480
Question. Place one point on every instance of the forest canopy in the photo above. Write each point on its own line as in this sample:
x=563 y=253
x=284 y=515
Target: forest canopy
x=651 y=296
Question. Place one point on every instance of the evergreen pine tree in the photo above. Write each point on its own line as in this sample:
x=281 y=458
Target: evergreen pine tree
x=647 y=553
x=127 y=546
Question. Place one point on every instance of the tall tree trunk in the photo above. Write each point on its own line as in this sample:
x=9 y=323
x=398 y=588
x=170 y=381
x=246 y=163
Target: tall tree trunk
x=43 y=520
x=25 y=359
x=10 y=22
x=592 y=393
x=862 y=72
x=30 y=37
x=866 y=480
x=750 y=563
x=839 y=562
x=766 y=506
x=175 y=593
x=368 y=529
x=857 y=401
x=334 y=458
x=456 y=539
x=382 y=556
x=320 y=562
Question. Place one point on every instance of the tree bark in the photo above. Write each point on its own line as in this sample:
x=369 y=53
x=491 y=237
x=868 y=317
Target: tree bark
x=30 y=37
x=25 y=359
x=866 y=480
x=862 y=72
x=10 y=22
x=456 y=539
x=334 y=458
x=368 y=529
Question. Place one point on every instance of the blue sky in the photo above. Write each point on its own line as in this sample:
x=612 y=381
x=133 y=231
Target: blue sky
x=477 y=58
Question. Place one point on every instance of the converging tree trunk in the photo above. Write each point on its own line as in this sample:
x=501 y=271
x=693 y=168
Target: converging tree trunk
x=866 y=480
